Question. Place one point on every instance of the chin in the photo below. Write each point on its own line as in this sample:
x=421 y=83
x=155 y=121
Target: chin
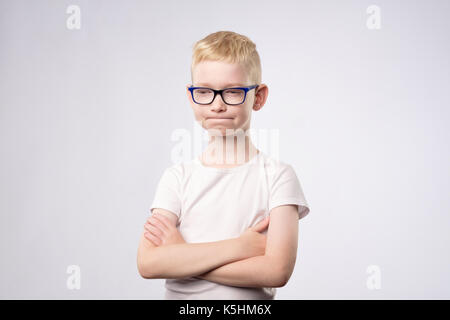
x=223 y=130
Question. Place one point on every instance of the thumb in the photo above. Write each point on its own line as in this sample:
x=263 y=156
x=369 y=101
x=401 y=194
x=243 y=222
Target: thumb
x=260 y=226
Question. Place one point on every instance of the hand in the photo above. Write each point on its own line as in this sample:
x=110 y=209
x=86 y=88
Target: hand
x=161 y=231
x=253 y=240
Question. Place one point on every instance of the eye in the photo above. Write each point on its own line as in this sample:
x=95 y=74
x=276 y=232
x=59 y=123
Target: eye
x=231 y=91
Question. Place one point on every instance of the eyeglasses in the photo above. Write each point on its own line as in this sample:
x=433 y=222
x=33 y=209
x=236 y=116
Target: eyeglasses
x=231 y=96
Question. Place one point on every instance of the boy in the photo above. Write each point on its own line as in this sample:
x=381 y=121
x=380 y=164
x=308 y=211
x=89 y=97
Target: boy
x=209 y=234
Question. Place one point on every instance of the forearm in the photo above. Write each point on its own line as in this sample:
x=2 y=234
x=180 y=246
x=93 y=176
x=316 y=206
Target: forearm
x=257 y=271
x=189 y=259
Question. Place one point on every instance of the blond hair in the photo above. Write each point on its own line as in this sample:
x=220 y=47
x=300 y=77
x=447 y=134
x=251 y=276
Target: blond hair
x=229 y=47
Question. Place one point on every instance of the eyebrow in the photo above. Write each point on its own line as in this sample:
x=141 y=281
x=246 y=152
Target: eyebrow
x=226 y=86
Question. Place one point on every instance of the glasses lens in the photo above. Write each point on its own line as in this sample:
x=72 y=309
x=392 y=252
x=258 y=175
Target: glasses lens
x=203 y=95
x=233 y=96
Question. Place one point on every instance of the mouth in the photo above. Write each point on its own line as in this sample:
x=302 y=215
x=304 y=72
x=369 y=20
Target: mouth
x=212 y=118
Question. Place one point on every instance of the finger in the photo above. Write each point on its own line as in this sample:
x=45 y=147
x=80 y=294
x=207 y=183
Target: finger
x=150 y=238
x=154 y=230
x=261 y=225
x=157 y=223
x=164 y=220
x=155 y=240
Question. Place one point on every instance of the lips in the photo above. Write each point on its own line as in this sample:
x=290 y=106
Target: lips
x=219 y=118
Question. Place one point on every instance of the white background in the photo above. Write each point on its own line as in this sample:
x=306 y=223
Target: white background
x=86 y=118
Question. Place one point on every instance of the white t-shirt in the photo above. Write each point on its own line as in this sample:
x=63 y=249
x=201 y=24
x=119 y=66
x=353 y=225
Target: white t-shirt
x=215 y=204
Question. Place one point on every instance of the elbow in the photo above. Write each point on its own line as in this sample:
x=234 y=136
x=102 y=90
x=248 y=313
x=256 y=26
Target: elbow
x=279 y=281
x=281 y=277
x=146 y=269
x=144 y=273
x=283 y=281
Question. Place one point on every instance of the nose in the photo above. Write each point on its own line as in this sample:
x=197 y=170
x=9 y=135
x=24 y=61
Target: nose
x=219 y=105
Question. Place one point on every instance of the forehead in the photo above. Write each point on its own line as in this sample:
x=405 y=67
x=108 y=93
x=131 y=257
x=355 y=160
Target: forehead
x=219 y=74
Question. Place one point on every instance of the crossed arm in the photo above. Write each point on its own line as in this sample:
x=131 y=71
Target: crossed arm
x=163 y=253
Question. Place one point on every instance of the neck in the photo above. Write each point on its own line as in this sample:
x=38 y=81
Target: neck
x=230 y=150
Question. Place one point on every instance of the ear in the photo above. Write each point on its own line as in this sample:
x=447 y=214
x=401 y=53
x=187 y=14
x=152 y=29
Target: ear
x=260 y=96
x=188 y=93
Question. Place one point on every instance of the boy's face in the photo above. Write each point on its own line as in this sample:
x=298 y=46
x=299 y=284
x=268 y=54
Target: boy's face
x=219 y=75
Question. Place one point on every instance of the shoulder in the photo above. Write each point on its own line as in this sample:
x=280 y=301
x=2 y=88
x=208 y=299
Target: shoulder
x=178 y=171
x=275 y=167
x=285 y=187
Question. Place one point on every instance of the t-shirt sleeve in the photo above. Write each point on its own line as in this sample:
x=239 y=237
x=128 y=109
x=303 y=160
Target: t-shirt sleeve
x=167 y=194
x=286 y=189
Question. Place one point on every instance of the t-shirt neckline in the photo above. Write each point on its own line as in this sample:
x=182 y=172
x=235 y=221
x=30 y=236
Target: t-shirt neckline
x=228 y=170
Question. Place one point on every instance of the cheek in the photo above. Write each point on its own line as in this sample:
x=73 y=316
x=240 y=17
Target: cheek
x=244 y=114
x=197 y=114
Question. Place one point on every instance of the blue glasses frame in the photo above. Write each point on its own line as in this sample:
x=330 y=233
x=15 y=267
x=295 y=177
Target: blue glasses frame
x=216 y=92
